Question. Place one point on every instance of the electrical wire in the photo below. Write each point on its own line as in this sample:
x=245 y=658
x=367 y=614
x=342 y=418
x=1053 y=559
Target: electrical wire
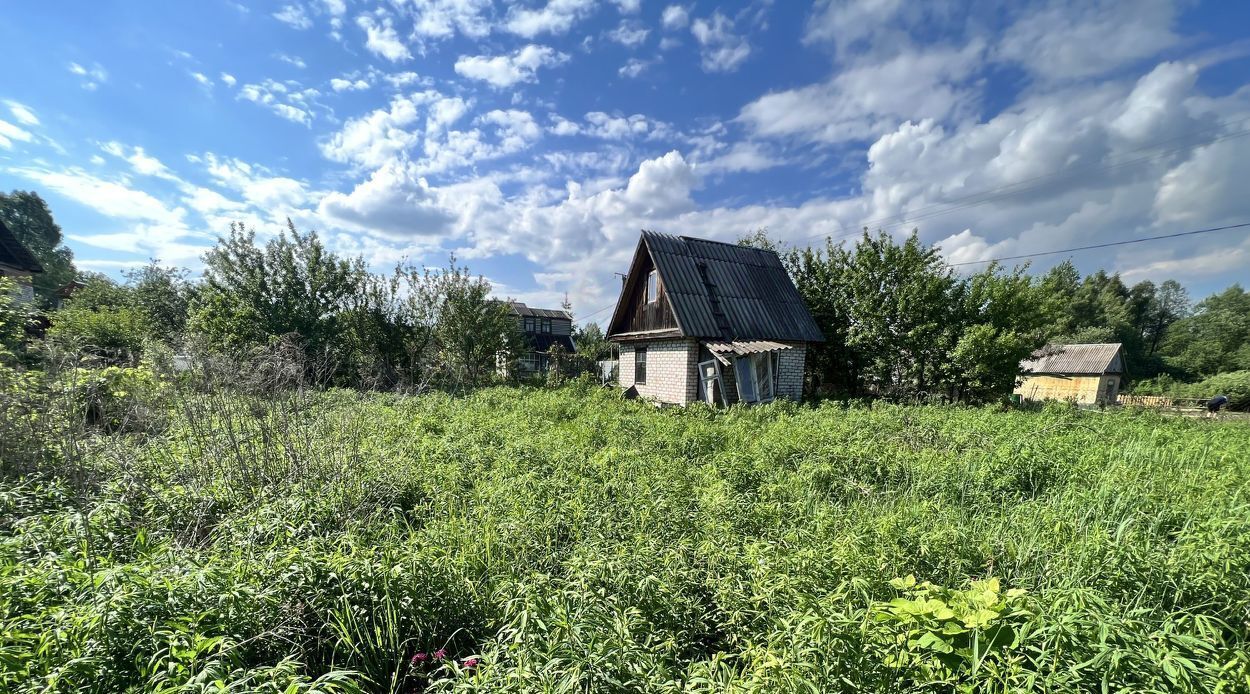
x=1103 y=245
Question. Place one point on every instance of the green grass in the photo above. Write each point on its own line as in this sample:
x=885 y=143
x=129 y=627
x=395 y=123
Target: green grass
x=573 y=541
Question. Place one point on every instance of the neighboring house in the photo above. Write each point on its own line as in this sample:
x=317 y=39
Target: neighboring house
x=710 y=321
x=1084 y=374
x=18 y=263
x=543 y=327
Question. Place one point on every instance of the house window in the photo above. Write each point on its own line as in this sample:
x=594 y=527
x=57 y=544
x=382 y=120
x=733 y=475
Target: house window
x=640 y=365
x=529 y=324
x=652 y=286
x=547 y=325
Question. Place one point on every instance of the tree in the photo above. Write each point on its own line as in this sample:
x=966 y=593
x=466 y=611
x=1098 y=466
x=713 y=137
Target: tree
x=28 y=217
x=1215 y=339
x=163 y=295
x=591 y=343
x=472 y=331
x=1003 y=320
x=290 y=286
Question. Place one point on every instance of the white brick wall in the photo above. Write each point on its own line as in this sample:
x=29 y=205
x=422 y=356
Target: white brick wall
x=671 y=373
x=790 y=371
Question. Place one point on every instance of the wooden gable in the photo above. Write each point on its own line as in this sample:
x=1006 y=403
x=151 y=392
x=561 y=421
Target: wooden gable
x=634 y=313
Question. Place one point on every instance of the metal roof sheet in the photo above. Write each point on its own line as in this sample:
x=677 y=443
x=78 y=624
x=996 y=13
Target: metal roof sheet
x=745 y=347
x=523 y=310
x=14 y=254
x=749 y=285
x=1074 y=359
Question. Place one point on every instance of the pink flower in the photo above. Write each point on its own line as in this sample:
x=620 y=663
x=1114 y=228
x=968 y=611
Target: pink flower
x=470 y=662
x=420 y=657
x=440 y=654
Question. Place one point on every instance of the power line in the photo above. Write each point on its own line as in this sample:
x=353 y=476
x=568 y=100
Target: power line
x=1103 y=245
x=588 y=315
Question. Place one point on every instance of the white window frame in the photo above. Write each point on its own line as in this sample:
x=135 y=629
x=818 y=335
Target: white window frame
x=653 y=287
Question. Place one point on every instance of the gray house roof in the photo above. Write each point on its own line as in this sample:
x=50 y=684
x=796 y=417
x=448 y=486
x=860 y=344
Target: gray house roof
x=13 y=254
x=725 y=291
x=1075 y=359
x=523 y=310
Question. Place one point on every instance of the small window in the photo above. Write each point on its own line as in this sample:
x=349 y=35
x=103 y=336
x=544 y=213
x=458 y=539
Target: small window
x=652 y=286
x=640 y=365
x=529 y=324
x=547 y=325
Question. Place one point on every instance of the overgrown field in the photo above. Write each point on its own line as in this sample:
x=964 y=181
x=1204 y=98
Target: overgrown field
x=569 y=540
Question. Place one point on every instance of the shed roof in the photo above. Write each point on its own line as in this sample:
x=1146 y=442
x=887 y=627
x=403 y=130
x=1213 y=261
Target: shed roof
x=522 y=310
x=14 y=254
x=729 y=292
x=1075 y=359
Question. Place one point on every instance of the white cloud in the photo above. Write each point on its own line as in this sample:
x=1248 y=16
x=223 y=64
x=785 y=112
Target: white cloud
x=228 y=79
x=1209 y=188
x=286 y=99
x=382 y=40
x=374 y=139
x=441 y=19
x=339 y=84
x=293 y=60
x=629 y=34
x=1059 y=40
x=633 y=68
x=10 y=132
x=675 y=17
x=721 y=50
x=293 y=16
x=393 y=201
x=140 y=161
x=335 y=8
x=202 y=78
x=92 y=77
x=109 y=198
x=404 y=79
x=557 y=17
x=864 y=100
x=516 y=129
x=277 y=195
x=628 y=6
x=22 y=113
x=507 y=70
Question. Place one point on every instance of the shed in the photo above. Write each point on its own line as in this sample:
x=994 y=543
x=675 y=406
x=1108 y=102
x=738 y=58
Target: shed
x=17 y=263
x=1087 y=374
x=710 y=321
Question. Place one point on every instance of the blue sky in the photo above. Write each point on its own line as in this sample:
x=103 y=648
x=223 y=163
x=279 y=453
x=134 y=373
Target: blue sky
x=533 y=139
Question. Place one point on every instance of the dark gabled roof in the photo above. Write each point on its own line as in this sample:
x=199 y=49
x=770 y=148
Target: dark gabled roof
x=1074 y=359
x=14 y=254
x=522 y=310
x=724 y=291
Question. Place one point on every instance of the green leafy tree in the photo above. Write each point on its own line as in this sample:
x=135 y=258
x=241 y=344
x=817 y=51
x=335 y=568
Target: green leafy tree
x=1002 y=321
x=28 y=217
x=1215 y=339
x=472 y=331
x=163 y=295
x=13 y=316
x=591 y=343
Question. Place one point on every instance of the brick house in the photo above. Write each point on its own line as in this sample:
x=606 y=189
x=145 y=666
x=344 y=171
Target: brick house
x=542 y=327
x=18 y=264
x=708 y=321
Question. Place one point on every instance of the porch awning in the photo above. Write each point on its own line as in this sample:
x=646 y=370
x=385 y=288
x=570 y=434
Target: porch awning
x=743 y=348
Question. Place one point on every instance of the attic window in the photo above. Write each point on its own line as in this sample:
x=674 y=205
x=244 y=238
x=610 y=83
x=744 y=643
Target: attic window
x=652 y=286
x=546 y=325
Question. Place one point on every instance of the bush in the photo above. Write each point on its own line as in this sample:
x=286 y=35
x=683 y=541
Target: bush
x=114 y=334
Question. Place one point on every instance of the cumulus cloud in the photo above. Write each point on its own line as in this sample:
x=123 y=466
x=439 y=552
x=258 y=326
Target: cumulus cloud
x=441 y=19
x=675 y=17
x=377 y=137
x=381 y=38
x=394 y=201
x=865 y=100
x=228 y=79
x=293 y=16
x=720 y=49
x=556 y=17
x=508 y=70
x=339 y=84
x=629 y=34
x=289 y=100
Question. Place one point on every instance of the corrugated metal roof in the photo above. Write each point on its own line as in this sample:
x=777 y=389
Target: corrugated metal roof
x=1074 y=359
x=523 y=310
x=749 y=287
x=14 y=254
x=745 y=347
